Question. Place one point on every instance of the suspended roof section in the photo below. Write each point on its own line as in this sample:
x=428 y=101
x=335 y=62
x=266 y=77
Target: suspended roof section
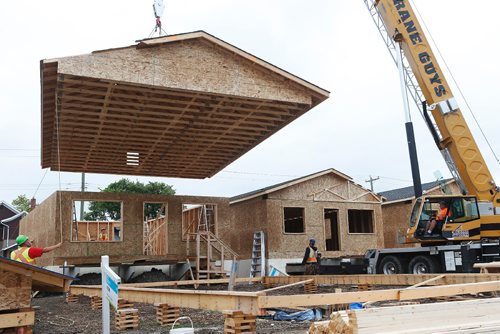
x=177 y=106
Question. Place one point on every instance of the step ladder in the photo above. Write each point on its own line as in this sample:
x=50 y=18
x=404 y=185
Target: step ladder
x=258 y=264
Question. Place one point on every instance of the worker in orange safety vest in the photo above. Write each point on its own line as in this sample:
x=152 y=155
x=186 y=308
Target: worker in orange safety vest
x=440 y=219
x=25 y=253
x=311 y=257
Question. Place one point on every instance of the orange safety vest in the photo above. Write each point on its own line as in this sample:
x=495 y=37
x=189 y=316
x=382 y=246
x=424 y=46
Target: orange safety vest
x=103 y=236
x=313 y=256
x=21 y=255
x=442 y=214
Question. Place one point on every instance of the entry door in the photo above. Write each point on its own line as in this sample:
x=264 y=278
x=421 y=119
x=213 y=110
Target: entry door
x=332 y=229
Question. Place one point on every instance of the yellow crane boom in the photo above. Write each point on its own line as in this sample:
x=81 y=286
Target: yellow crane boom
x=455 y=136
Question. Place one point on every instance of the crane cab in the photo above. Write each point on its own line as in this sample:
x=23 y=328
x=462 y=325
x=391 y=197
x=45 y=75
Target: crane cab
x=441 y=219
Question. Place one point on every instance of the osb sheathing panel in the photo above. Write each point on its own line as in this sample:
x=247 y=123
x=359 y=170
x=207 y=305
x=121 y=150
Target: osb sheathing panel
x=195 y=65
x=397 y=217
x=131 y=246
x=248 y=217
x=325 y=192
x=42 y=225
x=15 y=290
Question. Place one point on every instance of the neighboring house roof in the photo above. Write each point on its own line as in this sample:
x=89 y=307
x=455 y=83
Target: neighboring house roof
x=10 y=207
x=9 y=248
x=407 y=193
x=7 y=220
x=282 y=185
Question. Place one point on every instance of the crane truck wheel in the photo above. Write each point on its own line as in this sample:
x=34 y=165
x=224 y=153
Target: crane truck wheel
x=390 y=265
x=422 y=264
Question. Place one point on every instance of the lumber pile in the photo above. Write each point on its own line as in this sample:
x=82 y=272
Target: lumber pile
x=310 y=287
x=166 y=315
x=127 y=318
x=96 y=302
x=71 y=299
x=470 y=316
x=122 y=303
x=236 y=322
x=339 y=323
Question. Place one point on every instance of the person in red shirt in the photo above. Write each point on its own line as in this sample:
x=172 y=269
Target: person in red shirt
x=25 y=253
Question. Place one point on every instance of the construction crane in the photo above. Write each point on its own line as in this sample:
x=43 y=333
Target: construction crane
x=468 y=229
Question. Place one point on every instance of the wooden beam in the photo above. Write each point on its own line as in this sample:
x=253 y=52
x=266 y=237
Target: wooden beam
x=19 y=319
x=426 y=282
x=449 y=290
x=399 y=279
x=192 y=282
x=376 y=295
x=205 y=300
x=264 y=292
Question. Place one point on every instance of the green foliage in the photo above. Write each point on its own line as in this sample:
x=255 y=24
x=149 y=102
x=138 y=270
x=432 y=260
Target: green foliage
x=21 y=203
x=112 y=210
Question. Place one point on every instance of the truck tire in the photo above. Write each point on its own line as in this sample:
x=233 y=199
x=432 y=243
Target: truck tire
x=390 y=265
x=423 y=264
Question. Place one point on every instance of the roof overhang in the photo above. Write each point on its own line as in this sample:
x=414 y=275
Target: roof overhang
x=42 y=279
x=150 y=109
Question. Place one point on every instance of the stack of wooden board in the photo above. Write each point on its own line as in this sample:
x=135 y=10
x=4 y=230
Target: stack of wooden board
x=127 y=318
x=471 y=316
x=239 y=323
x=339 y=323
x=96 y=302
x=166 y=315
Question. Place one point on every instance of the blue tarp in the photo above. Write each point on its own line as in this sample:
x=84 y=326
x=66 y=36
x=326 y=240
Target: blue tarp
x=298 y=316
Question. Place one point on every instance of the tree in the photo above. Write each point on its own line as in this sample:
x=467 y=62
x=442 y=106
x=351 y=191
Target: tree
x=22 y=203
x=112 y=211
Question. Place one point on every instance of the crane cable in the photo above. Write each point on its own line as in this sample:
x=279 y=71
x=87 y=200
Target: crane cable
x=456 y=84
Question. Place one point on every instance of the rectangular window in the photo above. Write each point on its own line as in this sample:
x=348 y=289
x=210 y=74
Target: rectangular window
x=360 y=221
x=294 y=220
x=198 y=217
x=99 y=221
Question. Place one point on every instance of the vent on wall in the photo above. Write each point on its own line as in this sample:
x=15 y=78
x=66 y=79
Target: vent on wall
x=132 y=158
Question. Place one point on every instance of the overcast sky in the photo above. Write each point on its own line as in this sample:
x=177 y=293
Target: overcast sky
x=331 y=43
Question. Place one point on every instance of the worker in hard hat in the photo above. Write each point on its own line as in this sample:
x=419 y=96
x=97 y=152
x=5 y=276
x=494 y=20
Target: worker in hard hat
x=311 y=258
x=103 y=236
x=25 y=253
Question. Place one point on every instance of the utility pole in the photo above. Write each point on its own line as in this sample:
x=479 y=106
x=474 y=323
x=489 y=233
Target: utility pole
x=82 y=202
x=371 y=181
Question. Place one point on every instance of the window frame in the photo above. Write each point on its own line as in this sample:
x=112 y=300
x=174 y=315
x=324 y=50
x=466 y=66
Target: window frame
x=97 y=221
x=372 y=222
x=216 y=219
x=303 y=220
